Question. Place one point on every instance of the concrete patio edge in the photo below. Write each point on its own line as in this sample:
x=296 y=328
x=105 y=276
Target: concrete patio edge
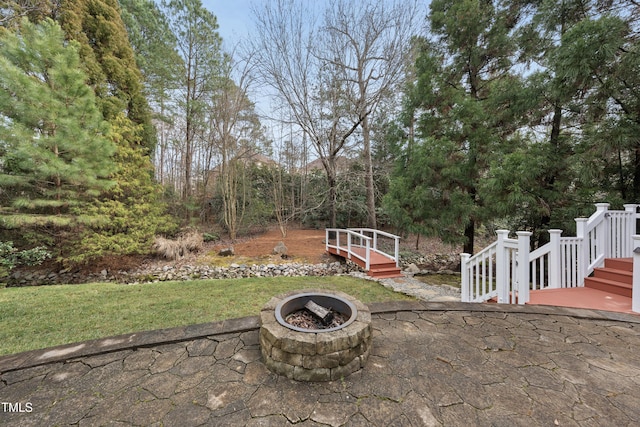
x=143 y=339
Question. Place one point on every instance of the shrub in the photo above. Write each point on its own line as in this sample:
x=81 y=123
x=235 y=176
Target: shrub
x=192 y=241
x=10 y=256
x=175 y=249
x=210 y=237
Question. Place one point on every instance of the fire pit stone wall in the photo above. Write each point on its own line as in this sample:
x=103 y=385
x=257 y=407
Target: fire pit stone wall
x=317 y=355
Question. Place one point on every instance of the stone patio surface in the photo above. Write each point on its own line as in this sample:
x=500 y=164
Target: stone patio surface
x=432 y=364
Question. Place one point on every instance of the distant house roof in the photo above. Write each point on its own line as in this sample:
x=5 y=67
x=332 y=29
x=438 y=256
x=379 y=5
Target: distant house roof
x=261 y=160
x=342 y=164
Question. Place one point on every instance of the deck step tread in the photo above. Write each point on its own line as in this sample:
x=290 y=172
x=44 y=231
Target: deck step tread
x=581 y=297
x=624 y=264
x=613 y=274
x=613 y=286
x=615 y=270
x=608 y=281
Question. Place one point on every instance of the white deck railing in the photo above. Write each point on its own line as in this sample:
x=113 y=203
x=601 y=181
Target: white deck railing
x=346 y=240
x=507 y=269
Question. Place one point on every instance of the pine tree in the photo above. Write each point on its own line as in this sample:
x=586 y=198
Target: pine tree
x=154 y=46
x=458 y=115
x=199 y=45
x=54 y=154
x=132 y=211
x=109 y=61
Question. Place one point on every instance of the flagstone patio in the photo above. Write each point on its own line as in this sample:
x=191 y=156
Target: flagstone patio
x=431 y=364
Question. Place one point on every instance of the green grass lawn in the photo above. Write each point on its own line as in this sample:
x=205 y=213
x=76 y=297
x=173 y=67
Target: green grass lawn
x=40 y=317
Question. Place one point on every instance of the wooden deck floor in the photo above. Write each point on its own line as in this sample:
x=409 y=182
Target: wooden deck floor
x=582 y=298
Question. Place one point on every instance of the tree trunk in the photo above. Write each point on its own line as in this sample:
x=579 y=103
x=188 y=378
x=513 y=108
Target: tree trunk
x=550 y=179
x=333 y=199
x=470 y=228
x=469 y=233
x=369 y=183
x=636 y=175
x=186 y=189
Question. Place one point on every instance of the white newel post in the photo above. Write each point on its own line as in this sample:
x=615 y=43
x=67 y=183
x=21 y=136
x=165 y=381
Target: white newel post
x=635 y=291
x=326 y=240
x=502 y=275
x=630 y=228
x=632 y=209
x=367 y=260
x=580 y=227
x=602 y=232
x=581 y=224
x=396 y=250
x=555 y=273
x=464 y=277
x=524 y=238
x=602 y=207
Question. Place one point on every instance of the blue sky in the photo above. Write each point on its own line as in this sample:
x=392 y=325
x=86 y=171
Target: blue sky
x=234 y=18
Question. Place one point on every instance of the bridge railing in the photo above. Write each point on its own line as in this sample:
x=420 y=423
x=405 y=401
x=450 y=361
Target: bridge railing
x=343 y=241
x=376 y=242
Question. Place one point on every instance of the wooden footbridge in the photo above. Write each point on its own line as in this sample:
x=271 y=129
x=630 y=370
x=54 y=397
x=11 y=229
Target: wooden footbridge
x=369 y=248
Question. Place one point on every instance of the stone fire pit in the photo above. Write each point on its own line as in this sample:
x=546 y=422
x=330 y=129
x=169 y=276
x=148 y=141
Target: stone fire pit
x=315 y=354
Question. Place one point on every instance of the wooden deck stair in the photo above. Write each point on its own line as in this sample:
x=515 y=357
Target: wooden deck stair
x=381 y=266
x=615 y=277
x=609 y=289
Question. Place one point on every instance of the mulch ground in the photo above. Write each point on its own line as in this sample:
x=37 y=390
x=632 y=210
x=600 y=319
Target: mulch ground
x=301 y=244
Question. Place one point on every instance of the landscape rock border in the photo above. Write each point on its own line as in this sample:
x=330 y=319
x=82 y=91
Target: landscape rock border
x=184 y=273
x=168 y=272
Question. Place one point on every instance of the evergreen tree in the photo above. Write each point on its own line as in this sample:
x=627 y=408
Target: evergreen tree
x=128 y=215
x=600 y=57
x=154 y=46
x=459 y=115
x=582 y=140
x=199 y=45
x=54 y=154
x=108 y=60
x=535 y=186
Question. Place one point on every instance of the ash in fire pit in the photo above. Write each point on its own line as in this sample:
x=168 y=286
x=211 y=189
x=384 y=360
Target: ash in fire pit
x=314 y=316
x=320 y=308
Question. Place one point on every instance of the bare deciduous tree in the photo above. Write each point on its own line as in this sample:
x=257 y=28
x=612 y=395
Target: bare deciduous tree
x=289 y=56
x=367 y=43
x=13 y=10
x=332 y=74
x=234 y=133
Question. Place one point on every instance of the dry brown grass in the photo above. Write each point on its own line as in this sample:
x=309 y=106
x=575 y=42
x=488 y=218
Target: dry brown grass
x=176 y=249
